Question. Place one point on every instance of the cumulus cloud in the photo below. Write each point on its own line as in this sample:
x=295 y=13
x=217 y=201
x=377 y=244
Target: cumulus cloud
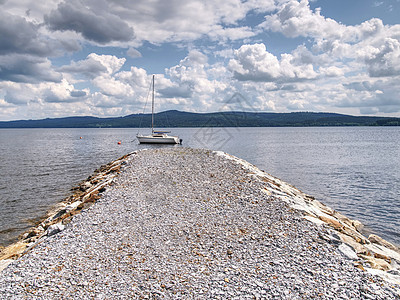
x=94 y=24
x=102 y=71
x=18 y=94
x=90 y=68
x=295 y=19
x=24 y=68
x=19 y=36
x=25 y=51
x=136 y=77
x=383 y=60
x=44 y=92
x=61 y=93
x=188 y=20
x=110 y=86
x=380 y=95
x=255 y=63
x=336 y=67
x=371 y=42
x=331 y=71
x=95 y=65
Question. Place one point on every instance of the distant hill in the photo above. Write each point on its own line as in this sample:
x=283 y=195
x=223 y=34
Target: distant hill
x=173 y=118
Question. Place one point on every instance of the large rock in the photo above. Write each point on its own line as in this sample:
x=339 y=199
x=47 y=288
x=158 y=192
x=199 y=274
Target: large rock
x=376 y=263
x=348 y=251
x=55 y=228
x=13 y=251
x=373 y=238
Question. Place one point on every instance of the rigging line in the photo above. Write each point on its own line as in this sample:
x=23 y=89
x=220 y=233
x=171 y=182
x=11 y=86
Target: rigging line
x=166 y=118
x=144 y=108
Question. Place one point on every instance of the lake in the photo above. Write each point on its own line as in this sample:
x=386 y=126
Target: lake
x=355 y=170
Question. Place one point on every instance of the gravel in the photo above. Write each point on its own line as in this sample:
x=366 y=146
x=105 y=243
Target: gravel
x=187 y=223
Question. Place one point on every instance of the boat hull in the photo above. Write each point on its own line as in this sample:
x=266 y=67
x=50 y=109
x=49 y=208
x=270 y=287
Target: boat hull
x=148 y=139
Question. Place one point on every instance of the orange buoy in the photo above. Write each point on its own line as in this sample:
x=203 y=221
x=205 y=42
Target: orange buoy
x=80 y=137
x=119 y=143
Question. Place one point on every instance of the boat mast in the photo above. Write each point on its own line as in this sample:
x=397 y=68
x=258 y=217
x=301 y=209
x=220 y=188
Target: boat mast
x=152 y=110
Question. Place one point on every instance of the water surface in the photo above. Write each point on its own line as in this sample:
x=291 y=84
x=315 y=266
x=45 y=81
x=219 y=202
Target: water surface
x=354 y=170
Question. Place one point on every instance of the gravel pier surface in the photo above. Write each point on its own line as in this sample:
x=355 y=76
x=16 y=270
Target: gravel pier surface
x=180 y=223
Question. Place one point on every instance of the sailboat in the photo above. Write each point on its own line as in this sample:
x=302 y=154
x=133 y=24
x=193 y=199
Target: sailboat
x=157 y=137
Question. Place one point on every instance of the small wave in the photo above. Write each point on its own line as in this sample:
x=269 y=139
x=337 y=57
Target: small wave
x=8 y=230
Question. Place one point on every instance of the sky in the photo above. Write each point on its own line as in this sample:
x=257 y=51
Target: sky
x=96 y=57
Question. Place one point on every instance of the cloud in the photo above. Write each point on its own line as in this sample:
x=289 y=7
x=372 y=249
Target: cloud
x=19 y=36
x=184 y=91
x=90 y=68
x=383 y=60
x=25 y=51
x=132 y=52
x=78 y=94
x=296 y=19
x=335 y=67
x=187 y=20
x=29 y=69
x=110 y=86
x=375 y=45
x=222 y=34
x=331 y=71
x=135 y=77
x=95 y=65
x=44 y=92
x=379 y=95
x=102 y=70
x=255 y=63
x=95 y=24
x=19 y=94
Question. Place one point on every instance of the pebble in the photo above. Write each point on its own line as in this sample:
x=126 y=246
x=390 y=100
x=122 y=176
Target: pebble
x=181 y=223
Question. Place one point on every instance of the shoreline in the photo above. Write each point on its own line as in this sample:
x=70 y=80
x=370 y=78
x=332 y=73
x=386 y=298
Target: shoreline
x=372 y=254
x=374 y=250
x=84 y=195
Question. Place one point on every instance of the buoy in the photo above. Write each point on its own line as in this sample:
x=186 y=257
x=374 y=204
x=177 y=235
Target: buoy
x=119 y=143
x=80 y=137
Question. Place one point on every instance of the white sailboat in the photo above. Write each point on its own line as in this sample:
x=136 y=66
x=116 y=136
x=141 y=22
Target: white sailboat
x=157 y=137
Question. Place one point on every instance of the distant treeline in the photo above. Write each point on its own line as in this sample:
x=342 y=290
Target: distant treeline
x=175 y=118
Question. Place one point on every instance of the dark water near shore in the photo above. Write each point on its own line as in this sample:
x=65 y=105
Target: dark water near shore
x=355 y=170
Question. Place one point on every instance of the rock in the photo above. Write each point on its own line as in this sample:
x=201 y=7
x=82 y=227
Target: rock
x=34 y=232
x=376 y=263
x=332 y=222
x=171 y=232
x=355 y=235
x=323 y=207
x=348 y=251
x=55 y=228
x=4 y=263
x=359 y=248
x=314 y=220
x=72 y=206
x=373 y=238
x=332 y=238
x=358 y=225
x=343 y=219
x=13 y=250
x=384 y=257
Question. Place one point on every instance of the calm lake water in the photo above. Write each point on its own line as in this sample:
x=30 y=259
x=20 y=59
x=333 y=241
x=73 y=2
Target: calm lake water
x=355 y=170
